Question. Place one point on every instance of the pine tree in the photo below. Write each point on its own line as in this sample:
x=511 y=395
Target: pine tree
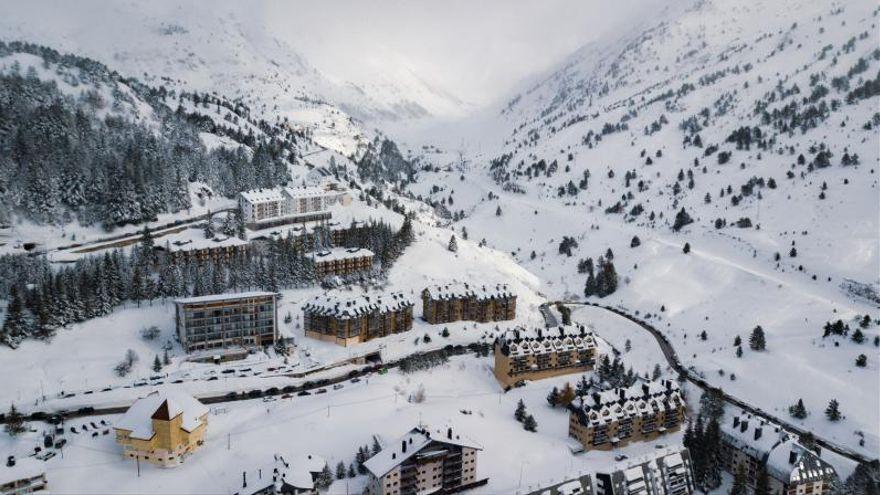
x=739 y=351
x=15 y=326
x=862 y=361
x=453 y=245
x=157 y=364
x=832 y=412
x=351 y=471
x=529 y=423
x=681 y=219
x=340 y=470
x=657 y=373
x=498 y=211
x=166 y=360
x=553 y=397
x=566 y=395
x=687 y=248
x=635 y=242
x=14 y=422
x=324 y=478
x=762 y=483
x=858 y=337
x=737 y=341
x=757 y=341
x=798 y=410
x=520 y=413
x=376 y=447
x=740 y=482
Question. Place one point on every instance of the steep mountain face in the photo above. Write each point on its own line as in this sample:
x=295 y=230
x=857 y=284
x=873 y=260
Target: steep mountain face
x=230 y=49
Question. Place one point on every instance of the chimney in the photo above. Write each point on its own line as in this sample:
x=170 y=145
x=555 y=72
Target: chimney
x=645 y=389
x=744 y=426
x=736 y=421
x=244 y=479
x=758 y=433
x=394 y=455
x=403 y=446
x=622 y=393
x=792 y=457
x=449 y=433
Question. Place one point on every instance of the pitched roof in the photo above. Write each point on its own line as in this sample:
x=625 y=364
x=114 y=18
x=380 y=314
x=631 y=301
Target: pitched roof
x=415 y=440
x=525 y=342
x=636 y=401
x=262 y=195
x=164 y=405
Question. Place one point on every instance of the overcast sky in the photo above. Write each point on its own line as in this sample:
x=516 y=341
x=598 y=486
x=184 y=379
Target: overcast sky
x=476 y=50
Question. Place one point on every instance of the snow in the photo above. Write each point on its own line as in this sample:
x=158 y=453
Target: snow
x=138 y=418
x=223 y=297
x=24 y=468
x=334 y=304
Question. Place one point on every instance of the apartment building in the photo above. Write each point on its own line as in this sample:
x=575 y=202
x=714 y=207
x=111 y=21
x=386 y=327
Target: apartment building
x=424 y=461
x=664 y=472
x=21 y=476
x=464 y=301
x=756 y=444
x=522 y=354
x=342 y=261
x=162 y=428
x=351 y=320
x=616 y=417
x=201 y=250
x=284 y=204
x=220 y=321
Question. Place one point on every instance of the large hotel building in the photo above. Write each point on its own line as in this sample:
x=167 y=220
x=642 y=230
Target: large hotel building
x=347 y=321
x=218 y=321
x=473 y=302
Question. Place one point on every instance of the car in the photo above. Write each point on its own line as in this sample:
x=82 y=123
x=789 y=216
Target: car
x=156 y=377
x=107 y=389
x=258 y=373
x=177 y=381
x=269 y=398
x=227 y=371
x=212 y=378
x=271 y=369
x=45 y=456
x=287 y=396
x=304 y=392
x=244 y=370
x=87 y=392
x=338 y=386
x=321 y=391
x=60 y=443
x=355 y=380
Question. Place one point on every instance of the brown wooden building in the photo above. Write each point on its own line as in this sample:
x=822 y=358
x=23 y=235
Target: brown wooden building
x=219 y=250
x=522 y=354
x=614 y=418
x=348 y=321
x=473 y=302
x=342 y=261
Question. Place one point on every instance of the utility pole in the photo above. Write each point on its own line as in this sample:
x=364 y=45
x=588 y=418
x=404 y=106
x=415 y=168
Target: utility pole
x=137 y=458
x=228 y=441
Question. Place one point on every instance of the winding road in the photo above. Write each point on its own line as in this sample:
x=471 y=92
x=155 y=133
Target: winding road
x=675 y=364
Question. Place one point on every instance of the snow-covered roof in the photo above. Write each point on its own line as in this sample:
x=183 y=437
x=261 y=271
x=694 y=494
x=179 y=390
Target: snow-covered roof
x=297 y=470
x=335 y=254
x=196 y=242
x=809 y=468
x=222 y=297
x=262 y=195
x=468 y=290
x=638 y=472
x=165 y=404
x=305 y=192
x=25 y=468
x=638 y=400
x=415 y=440
x=337 y=305
x=753 y=435
x=524 y=342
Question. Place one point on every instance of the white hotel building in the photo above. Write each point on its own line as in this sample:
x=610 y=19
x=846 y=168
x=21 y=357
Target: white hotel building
x=309 y=203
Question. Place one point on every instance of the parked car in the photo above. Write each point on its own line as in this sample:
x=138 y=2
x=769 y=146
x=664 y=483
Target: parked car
x=321 y=391
x=287 y=396
x=212 y=378
x=304 y=392
x=45 y=456
x=355 y=380
x=338 y=386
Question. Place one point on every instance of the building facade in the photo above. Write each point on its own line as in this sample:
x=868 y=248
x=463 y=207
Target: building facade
x=757 y=444
x=347 y=321
x=342 y=261
x=666 y=472
x=259 y=206
x=285 y=475
x=162 y=428
x=614 y=418
x=471 y=302
x=222 y=321
x=424 y=461
x=22 y=476
x=543 y=353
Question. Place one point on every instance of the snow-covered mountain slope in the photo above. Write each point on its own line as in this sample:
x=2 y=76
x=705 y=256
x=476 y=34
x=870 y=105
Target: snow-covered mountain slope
x=759 y=120
x=228 y=49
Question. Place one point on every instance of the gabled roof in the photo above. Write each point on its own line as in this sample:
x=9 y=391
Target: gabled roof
x=163 y=405
x=415 y=440
x=741 y=431
x=524 y=342
x=639 y=400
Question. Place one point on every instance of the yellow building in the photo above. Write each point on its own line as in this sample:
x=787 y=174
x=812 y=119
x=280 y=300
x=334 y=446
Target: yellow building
x=162 y=428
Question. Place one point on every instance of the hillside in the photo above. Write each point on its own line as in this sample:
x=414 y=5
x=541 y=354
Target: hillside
x=760 y=125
